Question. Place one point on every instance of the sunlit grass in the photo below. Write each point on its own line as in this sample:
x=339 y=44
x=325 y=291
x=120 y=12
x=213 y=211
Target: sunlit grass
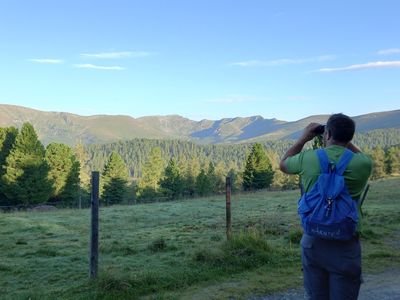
x=178 y=250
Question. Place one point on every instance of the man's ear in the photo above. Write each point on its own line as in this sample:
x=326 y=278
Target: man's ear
x=326 y=136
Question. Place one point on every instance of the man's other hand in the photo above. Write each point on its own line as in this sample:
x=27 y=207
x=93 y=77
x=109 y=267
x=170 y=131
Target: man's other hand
x=309 y=132
x=308 y=135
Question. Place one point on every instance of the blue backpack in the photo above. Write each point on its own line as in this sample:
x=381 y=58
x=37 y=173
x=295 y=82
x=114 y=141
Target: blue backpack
x=327 y=210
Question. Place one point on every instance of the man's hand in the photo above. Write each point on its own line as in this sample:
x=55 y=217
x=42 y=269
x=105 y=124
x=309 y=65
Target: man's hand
x=308 y=135
x=309 y=132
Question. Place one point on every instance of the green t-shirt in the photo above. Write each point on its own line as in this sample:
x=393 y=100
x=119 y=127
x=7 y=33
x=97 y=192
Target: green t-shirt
x=306 y=164
x=356 y=175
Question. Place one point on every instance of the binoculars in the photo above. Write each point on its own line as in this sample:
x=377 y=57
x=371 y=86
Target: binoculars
x=319 y=130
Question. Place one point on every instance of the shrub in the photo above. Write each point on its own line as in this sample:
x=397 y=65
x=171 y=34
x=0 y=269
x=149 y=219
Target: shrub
x=157 y=245
x=295 y=235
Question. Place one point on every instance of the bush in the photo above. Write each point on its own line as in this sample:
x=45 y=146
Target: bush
x=246 y=250
x=157 y=245
x=295 y=235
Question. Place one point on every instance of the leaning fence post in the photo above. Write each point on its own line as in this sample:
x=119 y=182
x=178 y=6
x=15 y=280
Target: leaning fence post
x=94 y=232
x=228 y=208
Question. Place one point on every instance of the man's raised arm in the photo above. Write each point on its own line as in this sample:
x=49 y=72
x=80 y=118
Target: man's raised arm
x=308 y=135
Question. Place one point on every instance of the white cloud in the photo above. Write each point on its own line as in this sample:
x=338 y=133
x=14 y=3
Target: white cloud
x=282 y=61
x=46 y=60
x=389 y=51
x=370 y=65
x=115 y=55
x=96 y=67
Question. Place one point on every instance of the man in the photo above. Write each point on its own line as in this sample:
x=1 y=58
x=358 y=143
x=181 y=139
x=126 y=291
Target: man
x=331 y=268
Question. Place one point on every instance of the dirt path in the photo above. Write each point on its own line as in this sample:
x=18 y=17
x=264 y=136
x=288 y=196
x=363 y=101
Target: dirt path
x=381 y=286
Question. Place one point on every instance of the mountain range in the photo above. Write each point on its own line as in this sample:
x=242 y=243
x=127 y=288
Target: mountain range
x=70 y=128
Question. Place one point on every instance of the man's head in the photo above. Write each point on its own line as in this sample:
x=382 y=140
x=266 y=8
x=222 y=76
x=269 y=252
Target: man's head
x=339 y=129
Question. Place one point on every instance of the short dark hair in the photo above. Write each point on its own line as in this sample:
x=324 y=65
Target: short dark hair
x=341 y=128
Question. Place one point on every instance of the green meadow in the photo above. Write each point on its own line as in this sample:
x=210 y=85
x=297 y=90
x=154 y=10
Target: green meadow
x=178 y=250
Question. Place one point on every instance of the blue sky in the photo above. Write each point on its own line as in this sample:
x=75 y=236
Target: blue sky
x=201 y=59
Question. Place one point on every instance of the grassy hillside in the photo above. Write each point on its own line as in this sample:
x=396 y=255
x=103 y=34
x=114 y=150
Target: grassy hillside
x=69 y=128
x=177 y=250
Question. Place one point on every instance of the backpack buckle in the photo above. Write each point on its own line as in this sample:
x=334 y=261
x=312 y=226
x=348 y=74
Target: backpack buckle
x=328 y=207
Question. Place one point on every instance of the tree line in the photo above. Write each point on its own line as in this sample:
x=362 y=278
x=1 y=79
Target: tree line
x=143 y=170
x=31 y=173
x=136 y=152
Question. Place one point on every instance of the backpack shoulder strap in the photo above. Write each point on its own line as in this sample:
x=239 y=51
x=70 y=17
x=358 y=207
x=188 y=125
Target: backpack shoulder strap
x=323 y=160
x=344 y=161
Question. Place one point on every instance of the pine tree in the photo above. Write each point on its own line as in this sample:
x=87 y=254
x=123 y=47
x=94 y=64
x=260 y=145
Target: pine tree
x=281 y=180
x=279 y=177
x=220 y=177
x=393 y=161
x=212 y=177
x=236 y=176
x=172 y=183
x=84 y=173
x=236 y=179
x=190 y=175
x=82 y=157
x=148 y=185
x=258 y=173
x=25 y=179
x=378 y=157
x=290 y=182
x=63 y=172
x=115 y=179
x=203 y=186
x=7 y=140
x=248 y=174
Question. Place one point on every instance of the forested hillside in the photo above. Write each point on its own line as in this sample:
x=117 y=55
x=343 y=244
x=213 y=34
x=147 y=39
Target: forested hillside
x=135 y=152
x=379 y=137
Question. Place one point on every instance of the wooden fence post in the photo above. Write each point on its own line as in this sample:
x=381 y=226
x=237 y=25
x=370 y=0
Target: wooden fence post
x=94 y=232
x=228 y=208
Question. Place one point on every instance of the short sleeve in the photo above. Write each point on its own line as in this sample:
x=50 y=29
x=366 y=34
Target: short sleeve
x=294 y=163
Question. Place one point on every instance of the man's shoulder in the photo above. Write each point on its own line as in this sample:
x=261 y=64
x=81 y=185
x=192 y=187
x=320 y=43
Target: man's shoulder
x=311 y=155
x=306 y=155
x=362 y=158
x=297 y=163
x=361 y=164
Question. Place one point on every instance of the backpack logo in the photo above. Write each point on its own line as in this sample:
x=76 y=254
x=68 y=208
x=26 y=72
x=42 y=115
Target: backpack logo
x=327 y=210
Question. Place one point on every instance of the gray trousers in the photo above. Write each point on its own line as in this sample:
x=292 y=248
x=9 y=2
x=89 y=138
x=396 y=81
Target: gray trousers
x=331 y=269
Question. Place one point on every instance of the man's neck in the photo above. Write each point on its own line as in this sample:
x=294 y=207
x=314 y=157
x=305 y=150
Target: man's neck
x=336 y=143
x=349 y=146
